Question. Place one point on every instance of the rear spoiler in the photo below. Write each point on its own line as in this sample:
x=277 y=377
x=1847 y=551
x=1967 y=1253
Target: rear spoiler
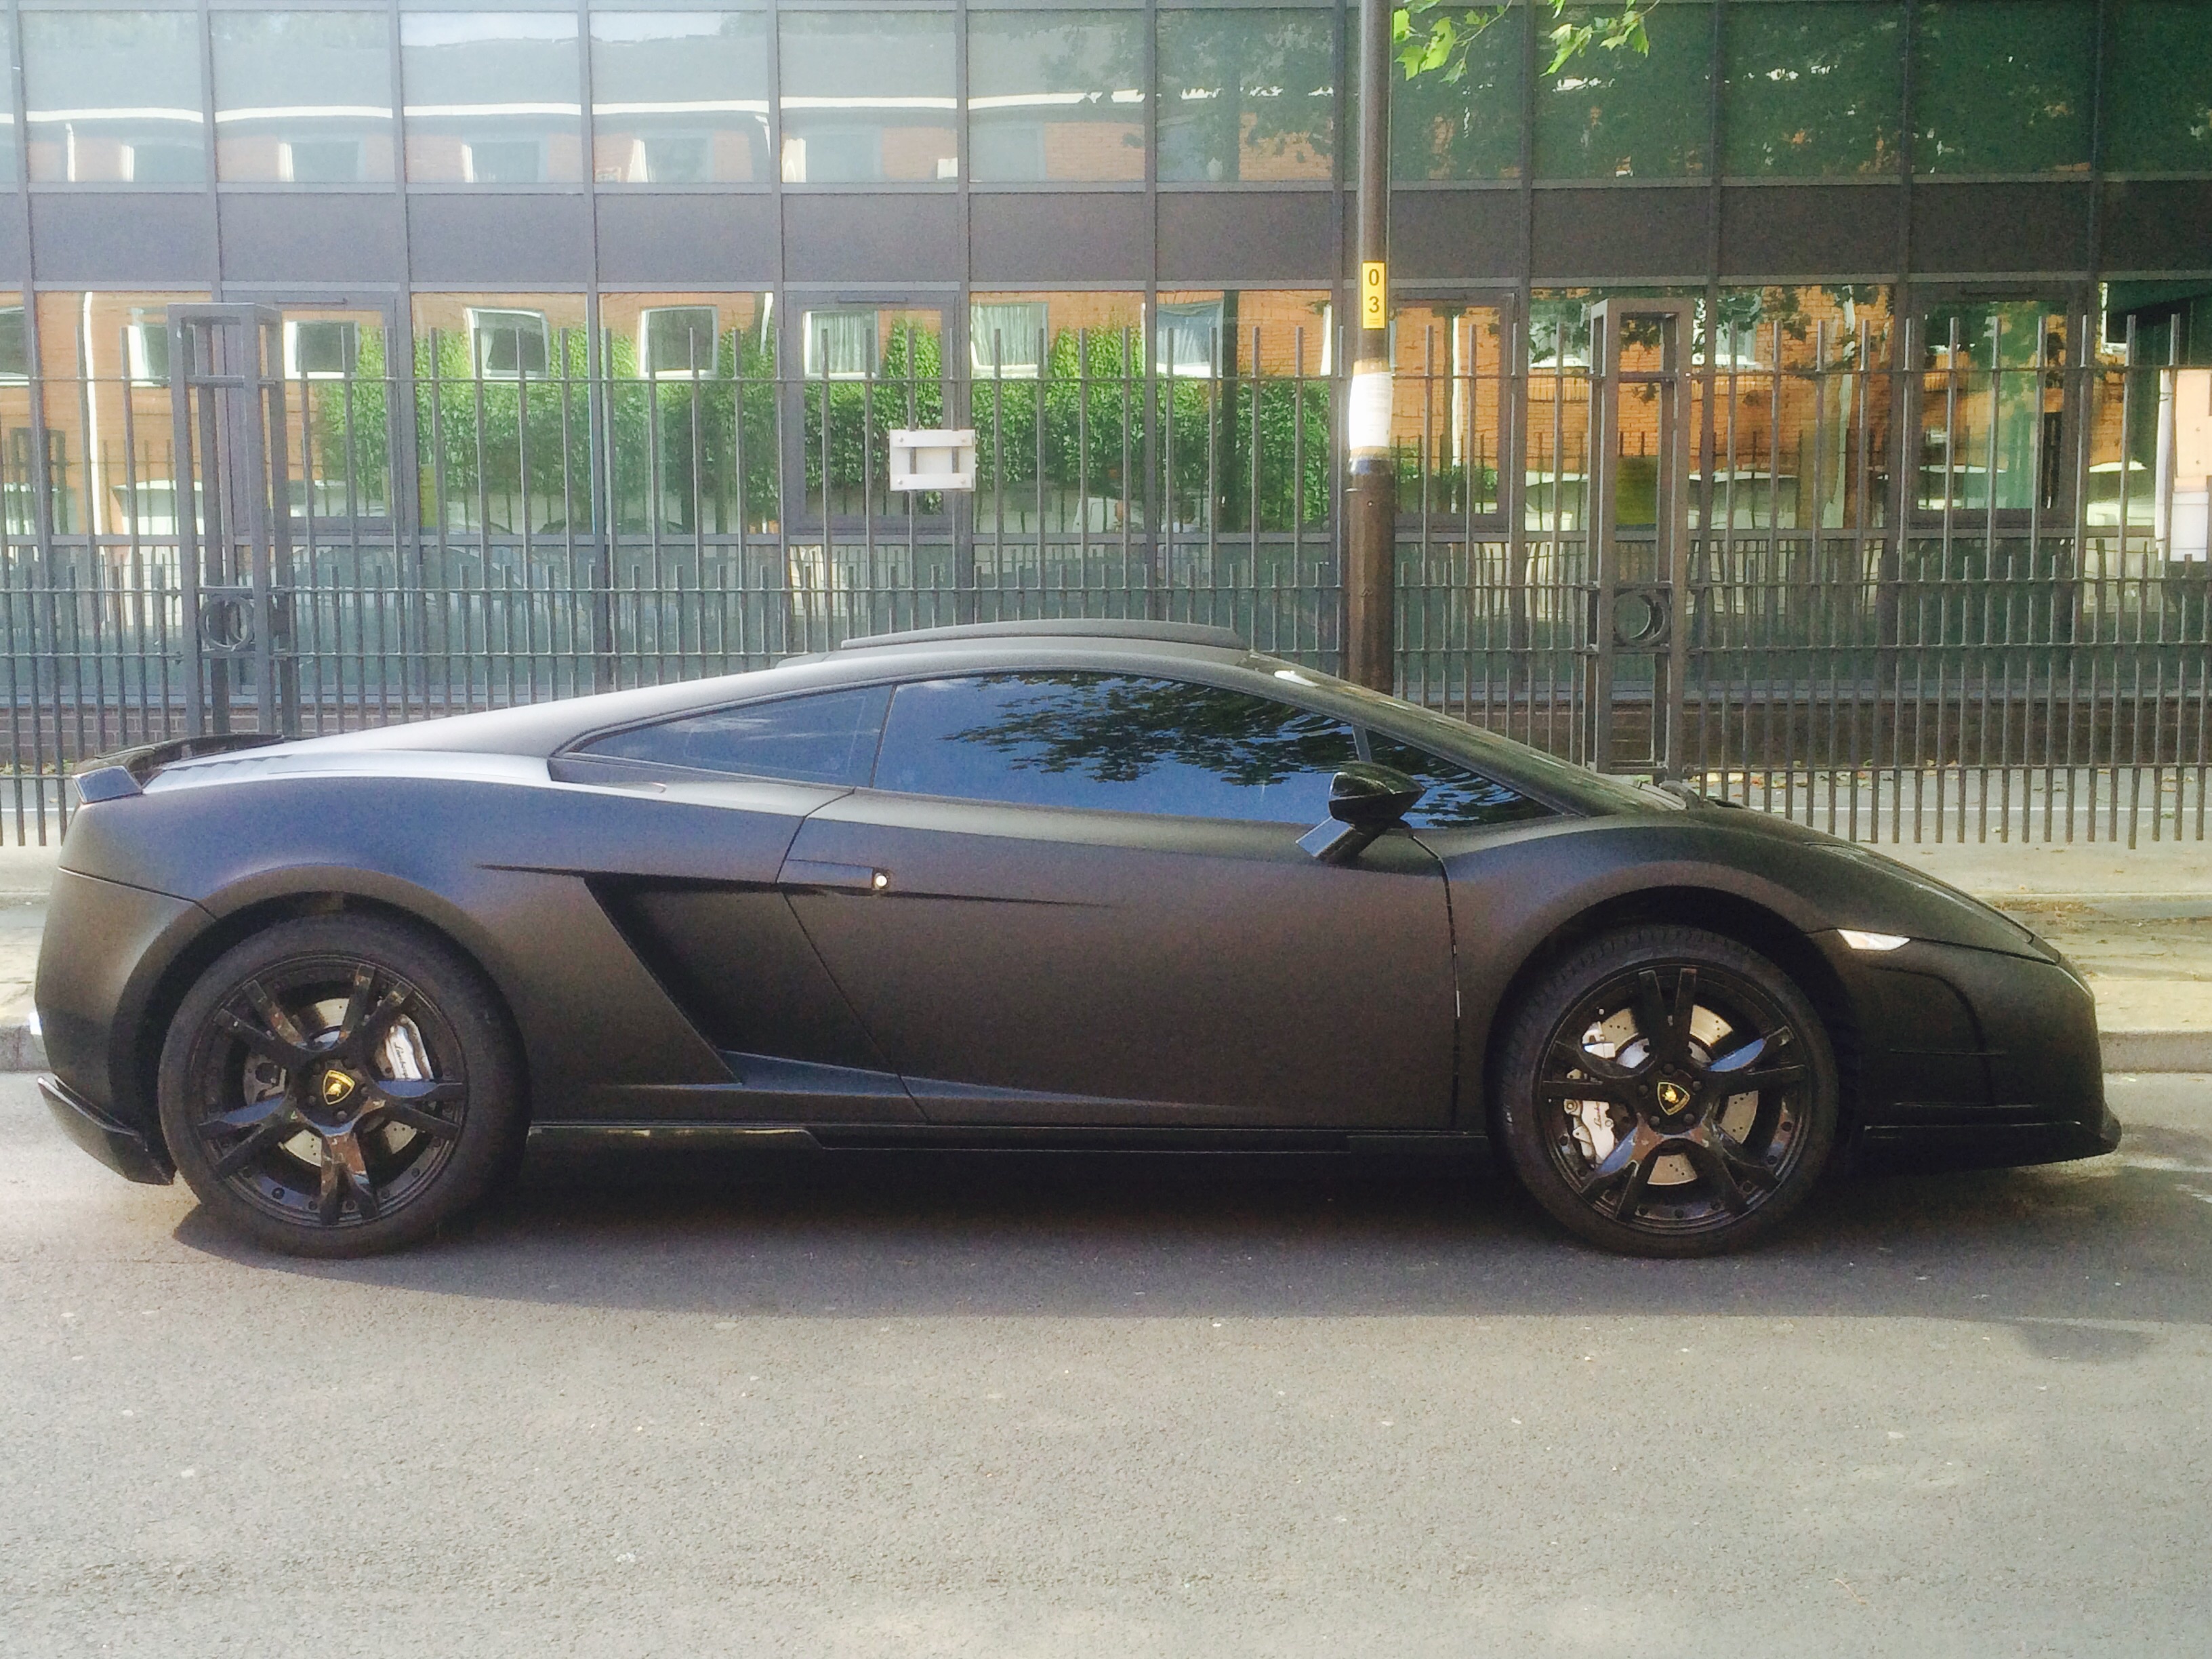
x=127 y=771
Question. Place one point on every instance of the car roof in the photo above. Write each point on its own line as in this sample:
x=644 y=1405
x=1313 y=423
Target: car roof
x=547 y=727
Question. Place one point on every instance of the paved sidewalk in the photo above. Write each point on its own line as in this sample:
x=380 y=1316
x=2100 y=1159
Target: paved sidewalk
x=2138 y=923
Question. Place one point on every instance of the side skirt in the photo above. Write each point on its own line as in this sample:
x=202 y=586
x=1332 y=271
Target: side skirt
x=880 y=1137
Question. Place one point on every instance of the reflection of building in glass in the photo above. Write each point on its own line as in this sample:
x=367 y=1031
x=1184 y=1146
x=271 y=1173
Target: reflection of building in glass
x=933 y=200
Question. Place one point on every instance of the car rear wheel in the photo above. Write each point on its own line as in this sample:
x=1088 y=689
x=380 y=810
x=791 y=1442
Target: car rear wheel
x=339 y=1085
x=1668 y=1091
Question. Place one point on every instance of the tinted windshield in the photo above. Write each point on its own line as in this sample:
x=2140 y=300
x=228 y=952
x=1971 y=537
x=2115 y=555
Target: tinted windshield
x=1562 y=781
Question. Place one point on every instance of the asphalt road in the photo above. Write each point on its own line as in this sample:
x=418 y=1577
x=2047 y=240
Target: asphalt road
x=913 y=1405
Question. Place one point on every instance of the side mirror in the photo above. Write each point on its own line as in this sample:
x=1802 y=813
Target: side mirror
x=1365 y=800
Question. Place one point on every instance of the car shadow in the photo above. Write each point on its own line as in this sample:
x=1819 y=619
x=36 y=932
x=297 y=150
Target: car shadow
x=905 y=1234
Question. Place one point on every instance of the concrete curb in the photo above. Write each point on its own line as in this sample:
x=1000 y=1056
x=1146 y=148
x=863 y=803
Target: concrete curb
x=22 y=1050
x=2158 y=1051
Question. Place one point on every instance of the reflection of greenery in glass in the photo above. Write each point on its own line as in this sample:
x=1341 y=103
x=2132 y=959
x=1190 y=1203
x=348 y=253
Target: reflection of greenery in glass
x=1093 y=394
x=2003 y=86
x=1114 y=729
x=347 y=441
x=1810 y=89
x=2158 y=96
x=1246 y=95
x=1469 y=128
x=1995 y=357
x=1455 y=797
x=520 y=455
x=688 y=434
x=907 y=390
x=1618 y=114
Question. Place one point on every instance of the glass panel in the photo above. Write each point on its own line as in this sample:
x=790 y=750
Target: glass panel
x=691 y=450
x=1813 y=88
x=873 y=370
x=339 y=435
x=2158 y=94
x=840 y=345
x=1113 y=743
x=867 y=97
x=2003 y=86
x=113 y=97
x=1623 y=115
x=7 y=125
x=1247 y=95
x=1080 y=472
x=14 y=345
x=678 y=342
x=1005 y=337
x=1057 y=94
x=1248 y=396
x=507 y=345
x=492 y=97
x=1800 y=434
x=498 y=458
x=1448 y=403
x=303 y=97
x=1467 y=128
x=828 y=738
x=109 y=426
x=679 y=98
x=1991 y=404
x=1456 y=797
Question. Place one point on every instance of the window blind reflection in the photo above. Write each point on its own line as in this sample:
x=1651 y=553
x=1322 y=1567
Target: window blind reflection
x=1056 y=95
x=303 y=97
x=679 y=98
x=867 y=97
x=492 y=97
x=113 y=97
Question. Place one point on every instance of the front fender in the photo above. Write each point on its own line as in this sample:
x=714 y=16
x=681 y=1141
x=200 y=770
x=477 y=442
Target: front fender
x=1514 y=891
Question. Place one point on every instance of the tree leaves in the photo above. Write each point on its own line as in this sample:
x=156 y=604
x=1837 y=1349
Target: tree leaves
x=1432 y=36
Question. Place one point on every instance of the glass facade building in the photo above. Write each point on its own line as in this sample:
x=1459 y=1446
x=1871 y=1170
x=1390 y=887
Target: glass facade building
x=1927 y=262
x=2043 y=148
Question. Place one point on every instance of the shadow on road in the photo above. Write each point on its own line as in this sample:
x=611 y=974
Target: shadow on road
x=1027 y=1235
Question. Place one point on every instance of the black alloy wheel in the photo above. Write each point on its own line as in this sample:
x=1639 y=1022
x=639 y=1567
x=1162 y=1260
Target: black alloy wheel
x=1668 y=1091
x=339 y=1085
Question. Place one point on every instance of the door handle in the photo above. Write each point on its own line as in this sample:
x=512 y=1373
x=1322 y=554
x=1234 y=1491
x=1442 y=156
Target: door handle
x=834 y=877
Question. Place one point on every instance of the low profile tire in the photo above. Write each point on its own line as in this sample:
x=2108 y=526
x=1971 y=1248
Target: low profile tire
x=1667 y=1091
x=340 y=1086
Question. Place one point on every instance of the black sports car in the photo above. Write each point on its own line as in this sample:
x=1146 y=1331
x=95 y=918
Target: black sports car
x=1089 y=883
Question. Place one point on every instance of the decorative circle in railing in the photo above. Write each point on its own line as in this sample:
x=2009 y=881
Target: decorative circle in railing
x=1641 y=616
x=226 y=625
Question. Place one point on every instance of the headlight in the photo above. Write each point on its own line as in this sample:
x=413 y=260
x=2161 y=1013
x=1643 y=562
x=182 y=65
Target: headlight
x=1859 y=941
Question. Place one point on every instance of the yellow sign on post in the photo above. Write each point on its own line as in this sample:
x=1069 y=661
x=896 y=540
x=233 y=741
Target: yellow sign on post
x=1374 y=285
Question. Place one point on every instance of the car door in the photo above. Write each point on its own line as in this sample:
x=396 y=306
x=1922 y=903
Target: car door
x=1077 y=897
x=717 y=932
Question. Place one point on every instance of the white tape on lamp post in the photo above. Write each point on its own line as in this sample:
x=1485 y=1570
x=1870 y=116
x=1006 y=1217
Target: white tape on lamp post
x=1367 y=422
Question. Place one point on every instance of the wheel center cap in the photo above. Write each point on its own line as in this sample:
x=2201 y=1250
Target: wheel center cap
x=1672 y=1095
x=337 y=1088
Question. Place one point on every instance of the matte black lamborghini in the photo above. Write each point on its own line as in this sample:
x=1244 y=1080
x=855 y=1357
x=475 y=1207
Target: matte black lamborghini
x=1101 y=884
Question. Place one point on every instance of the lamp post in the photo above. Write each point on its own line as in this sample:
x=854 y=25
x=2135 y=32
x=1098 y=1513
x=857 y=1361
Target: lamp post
x=1372 y=499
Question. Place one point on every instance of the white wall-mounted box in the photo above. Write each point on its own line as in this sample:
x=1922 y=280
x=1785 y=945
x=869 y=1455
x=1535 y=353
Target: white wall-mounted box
x=933 y=458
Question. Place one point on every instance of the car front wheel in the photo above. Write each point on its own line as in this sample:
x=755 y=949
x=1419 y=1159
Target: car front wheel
x=339 y=1085
x=1668 y=1091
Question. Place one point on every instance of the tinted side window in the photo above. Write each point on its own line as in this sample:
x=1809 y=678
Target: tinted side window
x=1113 y=743
x=1456 y=797
x=829 y=738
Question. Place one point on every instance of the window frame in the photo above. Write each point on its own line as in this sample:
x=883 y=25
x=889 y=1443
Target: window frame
x=649 y=369
x=1134 y=672
x=581 y=748
x=480 y=334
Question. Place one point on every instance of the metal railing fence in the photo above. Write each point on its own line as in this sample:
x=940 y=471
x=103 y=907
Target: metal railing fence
x=1947 y=591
